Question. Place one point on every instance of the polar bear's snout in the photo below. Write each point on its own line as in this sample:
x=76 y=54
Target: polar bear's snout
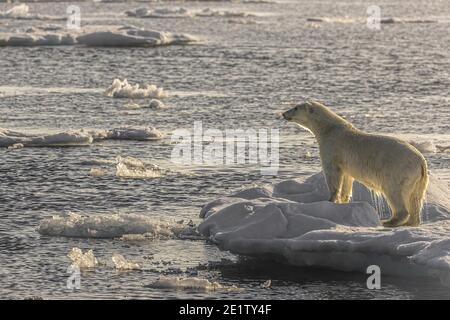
x=289 y=114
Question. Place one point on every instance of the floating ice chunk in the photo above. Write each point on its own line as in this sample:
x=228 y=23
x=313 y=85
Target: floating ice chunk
x=140 y=134
x=36 y=39
x=159 y=13
x=120 y=263
x=19 y=11
x=122 y=89
x=83 y=260
x=156 y=104
x=68 y=138
x=16 y=146
x=132 y=106
x=98 y=36
x=207 y=12
x=424 y=146
x=129 y=36
x=194 y=284
x=136 y=170
x=443 y=148
x=109 y=226
x=293 y=221
x=97 y=172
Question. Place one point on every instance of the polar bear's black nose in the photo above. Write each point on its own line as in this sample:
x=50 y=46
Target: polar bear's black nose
x=285 y=116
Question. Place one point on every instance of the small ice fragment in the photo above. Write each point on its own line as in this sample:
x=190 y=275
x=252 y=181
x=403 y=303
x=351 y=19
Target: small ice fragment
x=131 y=168
x=83 y=260
x=120 y=263
x=16 y=146
x=156 y=104
x=19 y=11
x=266 y=284
x=97 y=172
x=122 y=89
x=132 y=106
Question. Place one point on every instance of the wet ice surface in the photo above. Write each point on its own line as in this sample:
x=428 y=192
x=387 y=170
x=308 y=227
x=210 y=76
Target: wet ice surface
x=395 y=81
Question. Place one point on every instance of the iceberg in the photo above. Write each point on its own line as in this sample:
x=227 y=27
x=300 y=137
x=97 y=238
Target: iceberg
x=292 y=222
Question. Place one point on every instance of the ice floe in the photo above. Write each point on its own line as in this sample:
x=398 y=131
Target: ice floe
x=292 y=221
x=82 y=260
x=98 y=172
x=184 y=13
x=68 y=138
x=130 y=36
x=122 y=89
x=112 y=226
x=15 y=139
x=98 y=36
x=138 y=134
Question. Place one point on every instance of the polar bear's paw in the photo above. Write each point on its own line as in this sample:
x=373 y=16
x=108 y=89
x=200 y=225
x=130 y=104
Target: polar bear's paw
x=395 y=222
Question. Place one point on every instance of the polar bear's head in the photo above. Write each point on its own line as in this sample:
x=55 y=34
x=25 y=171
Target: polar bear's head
x=314 y=117
x=300 y=114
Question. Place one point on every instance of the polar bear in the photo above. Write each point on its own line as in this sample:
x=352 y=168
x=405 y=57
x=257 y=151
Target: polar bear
x=384 y=164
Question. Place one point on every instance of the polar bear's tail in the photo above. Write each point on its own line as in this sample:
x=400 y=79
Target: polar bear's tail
x=417 y=197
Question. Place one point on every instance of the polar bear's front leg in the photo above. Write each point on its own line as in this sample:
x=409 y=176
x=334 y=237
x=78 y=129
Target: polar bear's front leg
x=334 y=178
x=347 y=187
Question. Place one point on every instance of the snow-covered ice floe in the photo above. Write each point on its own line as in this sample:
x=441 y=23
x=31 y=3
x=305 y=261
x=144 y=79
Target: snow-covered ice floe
x=82 y=137
x=127 y=226
x=122 y=89
x=21 y=11
x=96 y=36
x=291 y=221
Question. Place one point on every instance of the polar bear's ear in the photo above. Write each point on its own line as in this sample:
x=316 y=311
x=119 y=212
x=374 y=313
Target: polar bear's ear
x=309 y=106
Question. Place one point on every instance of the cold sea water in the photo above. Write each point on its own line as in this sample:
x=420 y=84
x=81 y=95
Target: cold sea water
x=241 y=73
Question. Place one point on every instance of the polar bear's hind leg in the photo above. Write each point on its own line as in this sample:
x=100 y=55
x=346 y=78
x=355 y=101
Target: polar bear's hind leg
x=398 y=206
x=416 y=198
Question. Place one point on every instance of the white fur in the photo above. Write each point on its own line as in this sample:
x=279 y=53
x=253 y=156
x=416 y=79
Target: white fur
x=384 y=164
